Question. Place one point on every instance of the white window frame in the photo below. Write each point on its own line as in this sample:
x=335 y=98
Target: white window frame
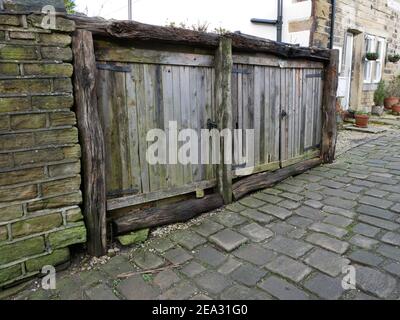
x=368 y=64
x=380 y=61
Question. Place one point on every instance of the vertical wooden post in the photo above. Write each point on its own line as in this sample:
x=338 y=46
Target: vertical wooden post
x=92 y=141
x=223 y=103
x=329 y=126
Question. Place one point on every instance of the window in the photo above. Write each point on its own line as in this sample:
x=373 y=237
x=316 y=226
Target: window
x=373 y=69
x=369 y=47
x=379 y=63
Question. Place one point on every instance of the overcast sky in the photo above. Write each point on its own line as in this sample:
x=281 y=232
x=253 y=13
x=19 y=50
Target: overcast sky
x=218 y=13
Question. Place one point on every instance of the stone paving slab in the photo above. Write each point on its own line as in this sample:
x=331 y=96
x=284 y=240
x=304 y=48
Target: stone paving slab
x=291 y=241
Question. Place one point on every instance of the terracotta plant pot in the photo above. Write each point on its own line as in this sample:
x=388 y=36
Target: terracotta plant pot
x=362 y=120
x=396 y=109
x=390 y=101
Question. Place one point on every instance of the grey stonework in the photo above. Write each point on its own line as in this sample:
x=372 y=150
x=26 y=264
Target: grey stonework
x=261 y=249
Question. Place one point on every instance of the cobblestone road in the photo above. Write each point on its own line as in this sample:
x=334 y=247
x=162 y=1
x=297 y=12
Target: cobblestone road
x=288 y=242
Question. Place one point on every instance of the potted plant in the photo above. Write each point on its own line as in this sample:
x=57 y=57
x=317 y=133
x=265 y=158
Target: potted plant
x=393 y=93
x=372 y=56
x=394 y=58
x=396 y=109
x=361 y=119
x=379 y=97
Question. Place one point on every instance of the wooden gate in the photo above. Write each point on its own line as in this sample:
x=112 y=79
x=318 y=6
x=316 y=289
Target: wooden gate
x=282 y=102
x=135 y=97
x=131 y=78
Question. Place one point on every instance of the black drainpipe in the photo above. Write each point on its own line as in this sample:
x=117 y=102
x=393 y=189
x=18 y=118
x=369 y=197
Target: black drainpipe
x=333 y=17
x=278 y=22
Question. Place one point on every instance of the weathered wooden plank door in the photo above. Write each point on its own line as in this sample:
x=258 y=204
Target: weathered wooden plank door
x=256 y=105
x=135 y=98
x=301 y=103
x=281 y=101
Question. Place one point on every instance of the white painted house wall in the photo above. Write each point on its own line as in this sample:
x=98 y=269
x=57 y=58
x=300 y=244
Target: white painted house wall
x=233 y=15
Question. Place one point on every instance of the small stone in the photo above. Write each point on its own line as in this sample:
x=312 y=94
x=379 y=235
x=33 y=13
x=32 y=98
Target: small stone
x=328 y=243
x=177 y=256
x=229 y=219
x=255 y=232
x=328 y=229
x=365 y=257
x=338 y=221
x=256 y=216
x=228 y=239
x=393 y=268
x=252 y=202
x=290 y=247
x=147 y=260
x=192 y=269
x=207 y=228
x=389 y=252
x=375 y=282
x=135 y=288
x=165 y=279
x=314 y=204
x=210 y=256
x=276 y=211
x=366 y=230
x=134 y=237
x=282 y=289
x=290 y=205
x=363 y=242
x=255 y=254
x=101 y=292
x=229 y=266
x=327 y=262
x=310 y=213
x=248 y=275
x=188 y=239
x=289 y=268
x=340 y=211
x=182 y=291
x=384 y=224
x=267 y=198
x=213 y=282
x=299 y=221
x=325 y=287
x=391 y=238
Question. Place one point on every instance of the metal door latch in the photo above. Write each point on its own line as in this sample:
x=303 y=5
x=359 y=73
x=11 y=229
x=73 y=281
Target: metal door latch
x=211 y=124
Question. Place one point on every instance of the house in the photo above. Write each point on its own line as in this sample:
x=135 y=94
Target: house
x=355 y=28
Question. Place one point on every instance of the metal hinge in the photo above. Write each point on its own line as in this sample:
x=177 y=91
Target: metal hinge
x=241 y=71
x=315 y=75
x=113 y=67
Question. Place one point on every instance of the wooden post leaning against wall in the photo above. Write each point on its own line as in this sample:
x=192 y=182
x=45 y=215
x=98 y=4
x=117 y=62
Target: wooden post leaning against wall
x=329 y=125
x=223 y=103
x=92 y=141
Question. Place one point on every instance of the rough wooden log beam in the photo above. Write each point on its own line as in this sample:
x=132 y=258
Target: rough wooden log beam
x=135 y=31
x=329 y=126
x=92 y=141
x=173 y=213
x=223 y=102
x=268 y=179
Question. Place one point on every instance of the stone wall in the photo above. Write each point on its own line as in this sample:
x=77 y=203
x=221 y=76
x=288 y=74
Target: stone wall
x=39 y=150
x=359 y=17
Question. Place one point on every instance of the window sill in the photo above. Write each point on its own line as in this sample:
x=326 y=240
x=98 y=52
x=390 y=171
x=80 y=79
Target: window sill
x=370 y=86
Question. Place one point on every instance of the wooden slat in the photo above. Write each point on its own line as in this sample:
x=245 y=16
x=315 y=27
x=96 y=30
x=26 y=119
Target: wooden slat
x=108 y=51
x=92 y=141
x=273 y=61
x=132 y=200
x=138 y=76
